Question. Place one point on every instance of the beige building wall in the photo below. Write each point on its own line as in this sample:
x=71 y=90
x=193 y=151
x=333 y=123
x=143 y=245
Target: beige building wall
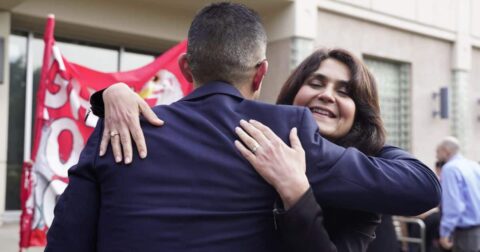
x=475 y=23
x=437 y=13
x=279 y=60
x=291 y=29
x=430 y=69
x=475 y=105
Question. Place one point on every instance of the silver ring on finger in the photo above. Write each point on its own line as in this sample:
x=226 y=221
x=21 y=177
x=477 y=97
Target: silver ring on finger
x=114 y=133
x=255 y=148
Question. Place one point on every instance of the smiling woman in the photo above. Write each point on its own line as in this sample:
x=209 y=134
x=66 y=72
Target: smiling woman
x=335 y=81
x=326 y=94
x=342 y=95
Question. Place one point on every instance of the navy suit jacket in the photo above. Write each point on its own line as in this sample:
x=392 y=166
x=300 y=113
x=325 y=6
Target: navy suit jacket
x=195 y=192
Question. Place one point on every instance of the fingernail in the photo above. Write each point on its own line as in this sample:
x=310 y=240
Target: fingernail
x=237 y=143
x=101 y=153
x=118 y=159
x=252 y=121
x=243 y=121
x=161 y=122
x=128 y=160
x=143 y=154
x=295 y=129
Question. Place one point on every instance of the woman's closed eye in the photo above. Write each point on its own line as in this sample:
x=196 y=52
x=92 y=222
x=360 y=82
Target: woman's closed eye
x=317 y=82
x=343 y=91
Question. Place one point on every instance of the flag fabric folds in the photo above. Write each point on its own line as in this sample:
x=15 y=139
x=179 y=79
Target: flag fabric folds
x=61 y=130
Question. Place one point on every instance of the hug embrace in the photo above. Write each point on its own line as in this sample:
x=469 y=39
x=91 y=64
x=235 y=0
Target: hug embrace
x=227 y=173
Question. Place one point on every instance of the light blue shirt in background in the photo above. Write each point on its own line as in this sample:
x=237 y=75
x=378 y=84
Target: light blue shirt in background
x=460 y=180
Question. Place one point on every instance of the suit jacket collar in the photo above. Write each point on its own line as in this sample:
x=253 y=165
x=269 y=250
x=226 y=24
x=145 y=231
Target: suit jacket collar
x=215 y=87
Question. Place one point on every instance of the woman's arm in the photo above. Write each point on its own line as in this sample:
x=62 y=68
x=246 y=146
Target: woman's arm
x=348 y=178
x=121 y=108
x=282 y=167
x=301 y=227
x=302 y=222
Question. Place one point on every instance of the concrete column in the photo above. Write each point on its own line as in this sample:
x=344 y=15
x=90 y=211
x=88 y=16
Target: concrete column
x=461 y=65
x=4 y=95
x=305 y=29
x=292 y=33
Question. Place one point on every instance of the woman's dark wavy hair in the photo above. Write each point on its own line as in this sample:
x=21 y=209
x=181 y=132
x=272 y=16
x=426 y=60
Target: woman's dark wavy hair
x=367 y=133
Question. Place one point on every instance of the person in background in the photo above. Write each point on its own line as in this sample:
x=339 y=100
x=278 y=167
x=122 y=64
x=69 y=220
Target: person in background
x=460 y=179
x=431 y=220
x=341 y=93
x=438 y=168
x=386 y=237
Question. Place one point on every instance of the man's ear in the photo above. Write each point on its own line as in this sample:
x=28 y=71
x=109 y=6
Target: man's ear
x=185 y=67
x=260 y=72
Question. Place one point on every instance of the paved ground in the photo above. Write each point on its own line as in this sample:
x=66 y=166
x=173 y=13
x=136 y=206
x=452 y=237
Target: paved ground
x=9 y=239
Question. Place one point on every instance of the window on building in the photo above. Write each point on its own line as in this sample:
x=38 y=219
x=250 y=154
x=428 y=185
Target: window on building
x=393 y=82
x=101 y=58
x=16 y=118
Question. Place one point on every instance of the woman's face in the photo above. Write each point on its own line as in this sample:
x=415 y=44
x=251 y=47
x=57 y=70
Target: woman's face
x=326 y=94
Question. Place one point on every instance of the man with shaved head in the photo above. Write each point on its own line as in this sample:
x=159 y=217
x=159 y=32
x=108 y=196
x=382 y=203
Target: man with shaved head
x=460 y=178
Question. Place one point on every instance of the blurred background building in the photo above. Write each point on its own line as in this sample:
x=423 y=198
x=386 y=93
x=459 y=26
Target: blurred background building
x=414 y=48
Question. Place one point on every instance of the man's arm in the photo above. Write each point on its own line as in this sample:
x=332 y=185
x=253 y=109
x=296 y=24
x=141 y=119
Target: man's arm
x=74 y=227
x=395 y=183
x=452 y=204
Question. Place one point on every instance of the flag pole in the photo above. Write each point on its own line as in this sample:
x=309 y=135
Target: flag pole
x=27 y=141
x=27 y=134
x=26 y=217
x=27 y=146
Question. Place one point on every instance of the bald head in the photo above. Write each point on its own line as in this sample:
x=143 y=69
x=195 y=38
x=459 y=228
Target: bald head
x=448 y=148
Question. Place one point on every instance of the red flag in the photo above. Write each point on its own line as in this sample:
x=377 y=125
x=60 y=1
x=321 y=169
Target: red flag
x=61 y=132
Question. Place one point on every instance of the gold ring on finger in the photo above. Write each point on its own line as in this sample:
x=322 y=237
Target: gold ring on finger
x=114 y=133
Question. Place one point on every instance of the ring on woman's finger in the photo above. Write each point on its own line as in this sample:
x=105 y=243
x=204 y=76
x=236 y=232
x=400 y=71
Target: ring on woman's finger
x=255 y=148
x=114 y=133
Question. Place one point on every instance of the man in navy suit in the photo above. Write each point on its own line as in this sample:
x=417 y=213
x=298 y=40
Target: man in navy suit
x=195 y=192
